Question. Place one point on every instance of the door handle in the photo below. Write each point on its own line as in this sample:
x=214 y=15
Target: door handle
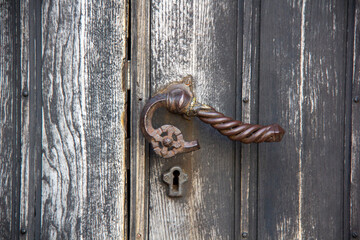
x=178 y=97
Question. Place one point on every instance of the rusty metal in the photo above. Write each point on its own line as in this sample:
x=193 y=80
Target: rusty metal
x=178 y=98
x=175 y=178
x=167 y=140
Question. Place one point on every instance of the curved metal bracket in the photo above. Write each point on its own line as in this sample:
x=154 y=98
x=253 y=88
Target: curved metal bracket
x=178 y=98
x=168 y=140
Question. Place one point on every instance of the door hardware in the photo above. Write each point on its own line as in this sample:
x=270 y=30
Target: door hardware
x=175 y=178
x=178 y=97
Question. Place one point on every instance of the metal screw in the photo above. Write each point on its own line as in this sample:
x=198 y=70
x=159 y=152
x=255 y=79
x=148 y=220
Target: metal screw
x=245 y=99
x=138 y=235
x=23 y=231
x=354 y=234
x=244 y=234
x=357 y=99
x=25 y=93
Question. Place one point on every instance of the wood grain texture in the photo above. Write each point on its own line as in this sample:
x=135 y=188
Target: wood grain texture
x=348 y=116
x=302 y=87
x=248 y=81
x=84 y=119
x=9 y=123
x=30 y=194
x=140 y=88
x=25 y=121
x=197 y=38
x=355 y=133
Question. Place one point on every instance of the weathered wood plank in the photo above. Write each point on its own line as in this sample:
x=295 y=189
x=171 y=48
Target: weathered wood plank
x=31 y=117
x=302 y=72
x=196 y=38
x=140 y=82
x=140 y=25
x=9 y=122
x=348 y=116
x=355 y=134
x=84 y=119
x=25 y=123
x=247 y=110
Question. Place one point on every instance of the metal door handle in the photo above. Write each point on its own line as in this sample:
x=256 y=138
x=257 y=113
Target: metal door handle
x=178 y=98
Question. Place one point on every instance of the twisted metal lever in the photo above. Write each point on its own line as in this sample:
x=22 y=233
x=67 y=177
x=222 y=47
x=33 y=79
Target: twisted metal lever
x=178 y=98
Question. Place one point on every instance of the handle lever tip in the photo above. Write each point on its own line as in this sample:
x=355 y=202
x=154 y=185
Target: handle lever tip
x=277 y=133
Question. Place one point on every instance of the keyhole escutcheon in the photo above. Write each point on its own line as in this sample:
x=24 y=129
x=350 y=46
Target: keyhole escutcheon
x=175 y=178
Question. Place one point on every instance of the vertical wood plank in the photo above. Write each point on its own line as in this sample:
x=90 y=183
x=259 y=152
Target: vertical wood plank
x=9 y=121
x=247 y=110
x=140 y=82
x=84 y=119
x=25 y=121
x=348 y=116
x=302 y=86
x=355 y=134
x=31 y=118
x=196 y=38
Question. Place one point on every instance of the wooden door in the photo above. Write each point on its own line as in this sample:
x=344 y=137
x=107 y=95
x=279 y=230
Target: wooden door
x=287 y=62
x=75 y=75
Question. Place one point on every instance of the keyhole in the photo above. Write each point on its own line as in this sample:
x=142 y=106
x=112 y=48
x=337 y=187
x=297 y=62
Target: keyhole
x=175 y=178
x=176 y=174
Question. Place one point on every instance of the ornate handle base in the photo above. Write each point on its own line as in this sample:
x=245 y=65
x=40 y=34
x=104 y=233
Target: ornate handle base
x=178 y=97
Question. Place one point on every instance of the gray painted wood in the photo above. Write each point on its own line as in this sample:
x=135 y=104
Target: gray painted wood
x=355 y=124
x=197 y=38
x=302 y=87
x=9 y=122
x=84 y=119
